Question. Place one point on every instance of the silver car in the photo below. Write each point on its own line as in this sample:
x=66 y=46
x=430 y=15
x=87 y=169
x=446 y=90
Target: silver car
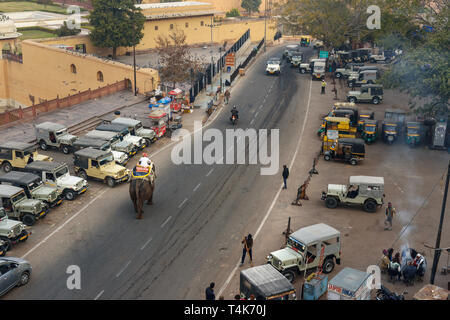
x=13 y=272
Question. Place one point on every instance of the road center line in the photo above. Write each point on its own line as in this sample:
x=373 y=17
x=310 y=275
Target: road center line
x=148 y=241
x=210 y=171
x=195 y=189
x=252 y=121
x=98 y=296
x=256 y=114
x=128 y=263
x=64 y=224
x=260 y=106
x=227 y=282
x=168 y=219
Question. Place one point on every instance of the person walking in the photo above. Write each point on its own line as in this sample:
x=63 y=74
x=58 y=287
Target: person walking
x=227 y=96
x=285 y=175
x=248 y=244
x=390 y=212
x=323 y=86
x=209 y=292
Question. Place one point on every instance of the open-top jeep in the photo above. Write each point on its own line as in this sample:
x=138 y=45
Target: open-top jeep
x=303 y=251
x=100 y=165
x=137 y=129
x=19 y=207
x=85 y=142
x=363 y=190
x=138 y=142
x=11 y=232
x=33 y=186
x=14 y=154
x=57 y=175
x=368 y=93
x=50 y=134
x=114 y=139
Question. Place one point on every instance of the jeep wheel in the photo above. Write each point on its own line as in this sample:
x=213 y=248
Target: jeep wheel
x=352 y=99
x=373 y=61
x=82 y=174
x=65 y=149
x=289 y=274
x=7 y=246
x=351 y=84
x=338 y=75
x=69 y=195
x=2 y=251
x=28 y=219
x=328 y=265
x=43 y=145
x=24 y=278
x=370 y=206
x=148 y=142
x=6 y=166
x=353 y=162
x=331 y=202
x=303 y=71
x=327 y=157
x=375 y=100
x=110 y=182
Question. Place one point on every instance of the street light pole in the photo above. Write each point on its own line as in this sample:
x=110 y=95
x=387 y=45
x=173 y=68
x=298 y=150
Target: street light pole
x=265 y=25
x=134 y=69
x=437 y=252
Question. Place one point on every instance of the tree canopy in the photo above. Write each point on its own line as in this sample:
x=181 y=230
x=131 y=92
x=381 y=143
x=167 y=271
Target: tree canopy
x=117 y=23
x=251 y=5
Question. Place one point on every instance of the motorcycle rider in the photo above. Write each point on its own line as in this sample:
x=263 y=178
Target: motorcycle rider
x=234 y=112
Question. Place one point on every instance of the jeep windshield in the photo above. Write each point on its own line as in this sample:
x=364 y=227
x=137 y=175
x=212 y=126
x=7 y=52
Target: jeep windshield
x=138 y=126
x=18 y=197
x=35 y=184
x=296 y=245
x=61 y=132
x=62 y=172
x=106 y=160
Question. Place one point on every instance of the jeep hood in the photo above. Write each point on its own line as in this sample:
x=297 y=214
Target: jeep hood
x=286 y=254
x=43 y=191
x=68 y=138
x=8 y=224
x=41 y=157
x=337 y=188
x=146 y=133
x=68 y=180
x=123 y=144
x=134 y=139
x=27 y=203
x=112 y=168
x=353 y=93
x=118 y=155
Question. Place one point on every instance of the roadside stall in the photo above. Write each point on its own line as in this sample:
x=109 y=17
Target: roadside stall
x=178 y=100
x=431 y=292
x=159 y=120
x=349 y=284
x=265 y=282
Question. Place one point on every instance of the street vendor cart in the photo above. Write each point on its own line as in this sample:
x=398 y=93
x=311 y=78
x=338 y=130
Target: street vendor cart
x=349 y=284
x=178 y=100
x=159 y=120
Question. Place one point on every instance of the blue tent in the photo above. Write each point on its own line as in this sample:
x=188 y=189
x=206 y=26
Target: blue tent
x=163 y=101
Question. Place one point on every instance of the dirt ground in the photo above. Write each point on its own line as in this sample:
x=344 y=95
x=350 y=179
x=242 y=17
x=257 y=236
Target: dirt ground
x=414 y=183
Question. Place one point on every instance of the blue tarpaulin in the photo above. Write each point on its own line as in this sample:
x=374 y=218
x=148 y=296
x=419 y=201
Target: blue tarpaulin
x=163 y=101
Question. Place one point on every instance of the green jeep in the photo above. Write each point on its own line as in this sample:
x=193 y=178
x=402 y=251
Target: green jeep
x=18 y=206
x=50 y=134
x=11 y=232
x=303 y=251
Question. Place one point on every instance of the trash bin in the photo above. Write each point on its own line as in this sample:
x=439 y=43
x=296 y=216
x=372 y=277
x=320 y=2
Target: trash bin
x=241 y=71
x=315 y=287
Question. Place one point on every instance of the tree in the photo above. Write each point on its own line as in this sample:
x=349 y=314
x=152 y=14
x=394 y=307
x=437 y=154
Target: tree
x=117 y=23
x=251 y=5
x=233 y=13
x=64 y=31
x=175 y=58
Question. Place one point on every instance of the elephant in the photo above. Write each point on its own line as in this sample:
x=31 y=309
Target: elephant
x=141 y=189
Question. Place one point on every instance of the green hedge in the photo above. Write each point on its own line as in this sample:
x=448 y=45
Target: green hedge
x=37 y=28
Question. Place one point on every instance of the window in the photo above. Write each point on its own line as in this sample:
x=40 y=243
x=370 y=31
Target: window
x=156 y=27
x=186 y=25
x=171 y=26
x=100 y=76
x=73 y=69
x=49 y=176
x=202 y=23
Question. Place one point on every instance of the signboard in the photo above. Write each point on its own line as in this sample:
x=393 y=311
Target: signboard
x=323 y=54
x=229 y=59
x=332 y=134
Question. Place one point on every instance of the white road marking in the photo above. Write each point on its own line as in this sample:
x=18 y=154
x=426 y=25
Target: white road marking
x=168 y=219
x=252 y=121
x=210 y=171
x=256 y=114
x=64 y=224
x=98 y=296
x=128 y=263
x=195 y=189
x=227 y=282
x=148 y=241
x=260 y=107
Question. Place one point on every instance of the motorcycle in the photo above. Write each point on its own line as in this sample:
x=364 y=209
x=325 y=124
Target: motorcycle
x=385 y=294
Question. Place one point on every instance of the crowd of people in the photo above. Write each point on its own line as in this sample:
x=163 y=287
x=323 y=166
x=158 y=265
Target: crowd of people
x=398 y=269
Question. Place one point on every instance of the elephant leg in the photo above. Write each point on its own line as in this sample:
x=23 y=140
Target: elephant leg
x=150 y=198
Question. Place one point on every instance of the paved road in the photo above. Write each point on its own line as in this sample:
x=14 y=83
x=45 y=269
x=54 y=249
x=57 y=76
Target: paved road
x=191 y=235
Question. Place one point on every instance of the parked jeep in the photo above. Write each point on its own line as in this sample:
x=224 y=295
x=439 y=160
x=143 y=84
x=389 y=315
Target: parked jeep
x=363 y=190
x=137 y=129
x=100 y=165
x=368 y=93
x=33 y=186
x=50 y=134
x=138 y=142
x=11 y=232
x=14 y=154
x=364 y=77
x=303 y=251
x=349 y=68
x=85 y=142
x=18 y=206
x=114 y=139
x=57 y=175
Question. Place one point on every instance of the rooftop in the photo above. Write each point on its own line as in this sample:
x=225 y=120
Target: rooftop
x=316 y=232
x=171 y=4
x=20 y=177
x=16 y=145
x=44 y=165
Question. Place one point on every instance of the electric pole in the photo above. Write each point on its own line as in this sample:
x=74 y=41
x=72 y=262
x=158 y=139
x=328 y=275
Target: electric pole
x=265 y=24
x=134 y=69
x=437 y=253
x=212 y=25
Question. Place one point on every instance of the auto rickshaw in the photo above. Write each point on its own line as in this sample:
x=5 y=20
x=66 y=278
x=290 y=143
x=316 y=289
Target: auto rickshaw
x=363 y=116
x=414 y=133
x=390 y=131
x=340 y=124
x=370 y=131
x=346 y=149
x=339 y=105
x=396 y=115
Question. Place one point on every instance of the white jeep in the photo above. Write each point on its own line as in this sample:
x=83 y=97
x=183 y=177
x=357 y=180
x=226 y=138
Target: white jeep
x=273 y=66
